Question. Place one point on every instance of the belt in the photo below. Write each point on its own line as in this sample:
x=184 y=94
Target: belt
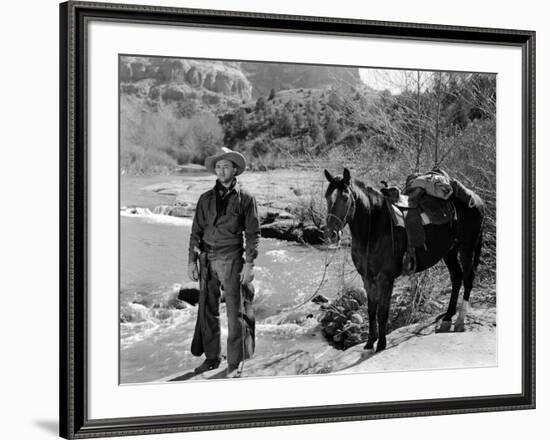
x=226 y=252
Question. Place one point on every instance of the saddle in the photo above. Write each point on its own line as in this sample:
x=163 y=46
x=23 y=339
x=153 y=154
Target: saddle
x=412 y=212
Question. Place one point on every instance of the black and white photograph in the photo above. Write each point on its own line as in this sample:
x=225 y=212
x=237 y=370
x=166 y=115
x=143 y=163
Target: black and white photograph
x=284 y=219
x=239 y=219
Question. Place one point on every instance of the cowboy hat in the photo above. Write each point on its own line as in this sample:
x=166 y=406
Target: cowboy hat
x=235 y=157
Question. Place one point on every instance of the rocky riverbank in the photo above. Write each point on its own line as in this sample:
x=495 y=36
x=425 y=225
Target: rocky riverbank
x=289 y=201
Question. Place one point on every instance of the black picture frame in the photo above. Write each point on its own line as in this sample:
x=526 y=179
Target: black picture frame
x=74 y=387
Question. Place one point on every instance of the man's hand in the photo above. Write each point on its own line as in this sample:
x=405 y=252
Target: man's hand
x=193 y=271
x=247 y=274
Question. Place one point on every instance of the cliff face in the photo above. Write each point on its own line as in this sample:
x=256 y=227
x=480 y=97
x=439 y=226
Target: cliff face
x=218 y=85
x=265 y=76
x=173 y=79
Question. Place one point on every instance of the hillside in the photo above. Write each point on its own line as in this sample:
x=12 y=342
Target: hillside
x=177 y=111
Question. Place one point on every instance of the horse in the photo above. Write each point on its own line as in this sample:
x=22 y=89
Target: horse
x=378 y=248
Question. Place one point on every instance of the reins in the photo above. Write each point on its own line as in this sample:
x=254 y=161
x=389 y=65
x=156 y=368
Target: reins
x=342 y=223
x=328 y=261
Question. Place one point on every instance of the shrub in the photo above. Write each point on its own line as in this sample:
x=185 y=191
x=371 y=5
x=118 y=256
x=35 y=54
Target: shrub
x=260 y=105
x=186 y=108
x=259 y=147
x=284 y=123
x=332 y=130
x=153 y=139
x=135 y=159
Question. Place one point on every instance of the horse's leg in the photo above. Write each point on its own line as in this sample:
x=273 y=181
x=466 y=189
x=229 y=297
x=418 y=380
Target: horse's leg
x=467 y=261
x=451 y=260
x=384 y=287
x=372 y=297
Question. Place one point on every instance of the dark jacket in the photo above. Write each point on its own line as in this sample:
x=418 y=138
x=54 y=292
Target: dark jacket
x=223 y=234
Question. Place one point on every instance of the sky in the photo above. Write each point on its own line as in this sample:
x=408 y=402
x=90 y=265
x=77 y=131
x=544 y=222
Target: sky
x=393 y=80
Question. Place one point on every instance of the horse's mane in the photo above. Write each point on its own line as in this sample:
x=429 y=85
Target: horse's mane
x=368 y=195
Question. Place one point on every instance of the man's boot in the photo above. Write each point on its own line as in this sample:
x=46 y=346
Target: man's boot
x=207 y=365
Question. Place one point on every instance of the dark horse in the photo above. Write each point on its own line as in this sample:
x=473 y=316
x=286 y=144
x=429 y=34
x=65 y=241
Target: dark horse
x=378 y=248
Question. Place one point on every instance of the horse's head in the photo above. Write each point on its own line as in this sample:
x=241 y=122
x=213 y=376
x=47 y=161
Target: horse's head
x=340 y=204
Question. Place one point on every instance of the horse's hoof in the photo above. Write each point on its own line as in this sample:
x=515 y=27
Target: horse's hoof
x=369 y=346
x=444 y=327
x=459 y=328
x=380 y=346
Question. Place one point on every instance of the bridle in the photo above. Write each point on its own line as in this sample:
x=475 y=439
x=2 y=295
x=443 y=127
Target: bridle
x=343 y=221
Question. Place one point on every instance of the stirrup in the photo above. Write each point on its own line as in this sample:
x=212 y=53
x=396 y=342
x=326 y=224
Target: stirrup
x=408 y=266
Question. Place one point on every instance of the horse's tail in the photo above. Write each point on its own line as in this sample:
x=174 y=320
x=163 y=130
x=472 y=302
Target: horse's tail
x=477 y=252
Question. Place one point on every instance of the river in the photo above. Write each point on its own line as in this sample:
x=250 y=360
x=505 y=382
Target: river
x=156 y=329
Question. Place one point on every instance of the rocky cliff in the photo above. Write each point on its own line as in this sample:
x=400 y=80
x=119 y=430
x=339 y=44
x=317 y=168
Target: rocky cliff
x=212 y=83
x=219 y=82
x=279 y=76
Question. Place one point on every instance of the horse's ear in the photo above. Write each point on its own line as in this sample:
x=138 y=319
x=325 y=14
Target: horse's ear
x=347 y=176
x=329 y=176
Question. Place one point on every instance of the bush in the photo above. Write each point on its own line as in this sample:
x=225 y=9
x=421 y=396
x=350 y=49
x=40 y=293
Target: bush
x=260 y=105
x=311 y=208
x=153 y=139
x=138 y=160
x=332 y=130
x=283 y=123
x=259 y=147
x=186 y=108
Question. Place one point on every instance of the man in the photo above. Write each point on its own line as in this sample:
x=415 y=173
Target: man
x=223 y=215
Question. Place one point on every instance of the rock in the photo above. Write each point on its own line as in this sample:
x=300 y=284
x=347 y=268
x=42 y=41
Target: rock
x=319 y=299
x=269 y=216
x=282 y=230
x=193 y=77
x=348 y=322
x=162 y=314
x=350 y=304
x=173 y=93
x=312 y=235
x=219 y=77
x=189 y=294
x=179 y=304
x=352 y=340
x=143 y=301
x=289 y=230
x=285 y=215
x=293 y=317
x=211 y=98
x=330 y=330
